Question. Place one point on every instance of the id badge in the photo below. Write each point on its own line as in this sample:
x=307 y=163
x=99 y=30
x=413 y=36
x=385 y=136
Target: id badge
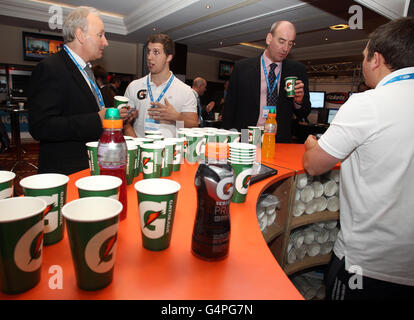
x=151 y=124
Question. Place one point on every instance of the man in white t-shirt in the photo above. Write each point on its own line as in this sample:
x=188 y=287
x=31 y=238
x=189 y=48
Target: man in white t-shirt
x=372 y=136
x=160 y=98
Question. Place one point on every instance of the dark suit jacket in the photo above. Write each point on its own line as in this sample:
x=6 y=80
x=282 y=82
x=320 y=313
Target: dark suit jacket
x=63 y=115
x=242 y=105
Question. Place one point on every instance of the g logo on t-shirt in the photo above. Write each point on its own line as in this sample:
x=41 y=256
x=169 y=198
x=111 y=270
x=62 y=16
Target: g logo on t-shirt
x=142 y=94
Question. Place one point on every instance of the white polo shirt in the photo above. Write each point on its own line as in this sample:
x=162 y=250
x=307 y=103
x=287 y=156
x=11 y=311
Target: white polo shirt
x=179 y=95
x=373 y=133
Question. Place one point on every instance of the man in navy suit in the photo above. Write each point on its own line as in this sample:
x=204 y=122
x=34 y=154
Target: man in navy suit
x=65 y=105
x=258 y=82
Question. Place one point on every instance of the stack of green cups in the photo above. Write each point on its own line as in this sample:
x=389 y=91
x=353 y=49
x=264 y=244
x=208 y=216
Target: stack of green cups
x=6 y=184
x=241 y=158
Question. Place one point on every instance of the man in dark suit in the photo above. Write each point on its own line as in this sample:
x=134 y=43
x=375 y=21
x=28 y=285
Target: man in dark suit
x=252 y=87
x=65 y=106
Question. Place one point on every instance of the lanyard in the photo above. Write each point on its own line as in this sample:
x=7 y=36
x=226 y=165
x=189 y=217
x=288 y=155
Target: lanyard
x=93 y=84
x=163 y=91
x=269 y=91
x=400 y=78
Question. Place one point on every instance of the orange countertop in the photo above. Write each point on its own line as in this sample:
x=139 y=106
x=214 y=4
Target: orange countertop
x=249 y=272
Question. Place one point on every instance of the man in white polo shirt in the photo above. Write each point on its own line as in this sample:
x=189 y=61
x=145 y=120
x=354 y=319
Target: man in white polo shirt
x=373 y=137
x=160 y=98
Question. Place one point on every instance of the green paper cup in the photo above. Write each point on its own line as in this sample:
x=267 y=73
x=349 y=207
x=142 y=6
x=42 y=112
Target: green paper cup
x=234 y=136
x=222 y=136
x=6 y=184
x=210 y=136
x=255 y=136
x=290 y=83
x=50 y=187
x=121 y=102
x=178 y=156
x=157 y=199
x=242 y=175
x=131 y=161
x=137 y=158
x=168 y=157
x=92 y=226
x=21 y=243
x=99 y=186
x=194 y=147
x=151 y=155
x=92 y=148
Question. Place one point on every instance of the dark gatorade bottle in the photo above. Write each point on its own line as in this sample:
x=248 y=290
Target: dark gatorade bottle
x=214 y=181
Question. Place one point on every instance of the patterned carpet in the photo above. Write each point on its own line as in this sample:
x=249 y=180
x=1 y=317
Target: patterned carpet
x=22 y=169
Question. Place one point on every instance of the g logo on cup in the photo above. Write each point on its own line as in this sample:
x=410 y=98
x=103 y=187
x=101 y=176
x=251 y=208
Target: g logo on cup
x=28 y=252
x=154 y=218
x=243 y=180
x=101 y=249
x=221 y=191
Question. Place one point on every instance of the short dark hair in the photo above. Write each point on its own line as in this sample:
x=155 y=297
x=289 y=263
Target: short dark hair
x=100 y=73
x=394 y=40
x=165 y=40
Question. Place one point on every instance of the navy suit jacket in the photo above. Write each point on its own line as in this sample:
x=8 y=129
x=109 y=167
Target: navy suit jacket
x=242 y=104
x=63 y=115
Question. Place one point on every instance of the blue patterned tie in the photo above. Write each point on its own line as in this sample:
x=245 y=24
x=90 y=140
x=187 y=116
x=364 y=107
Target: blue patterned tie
x=272 y=99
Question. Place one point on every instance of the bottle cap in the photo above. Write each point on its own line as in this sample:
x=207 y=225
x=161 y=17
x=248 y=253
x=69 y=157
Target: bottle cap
x=216 y=150
x=112 y=119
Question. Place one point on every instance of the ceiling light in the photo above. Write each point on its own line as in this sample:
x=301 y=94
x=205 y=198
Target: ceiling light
x=247 y=44
x=208 y=6
x=339 y=27
x=326 y=39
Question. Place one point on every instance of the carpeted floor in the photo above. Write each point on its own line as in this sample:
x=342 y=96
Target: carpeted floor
x=22 y=169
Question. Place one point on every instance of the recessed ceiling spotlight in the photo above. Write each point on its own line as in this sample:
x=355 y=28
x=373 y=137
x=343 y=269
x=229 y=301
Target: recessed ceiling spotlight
x=208 y=6
x=339 y=27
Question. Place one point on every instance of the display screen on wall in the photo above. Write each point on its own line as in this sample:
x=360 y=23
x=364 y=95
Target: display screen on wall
x=317 y=99
x=38 y=46
x=225 y=69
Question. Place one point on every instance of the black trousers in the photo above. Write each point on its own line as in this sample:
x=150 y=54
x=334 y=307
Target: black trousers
x=342 y=285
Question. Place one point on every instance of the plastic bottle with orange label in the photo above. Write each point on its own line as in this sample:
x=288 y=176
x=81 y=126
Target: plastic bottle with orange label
x=269 y=136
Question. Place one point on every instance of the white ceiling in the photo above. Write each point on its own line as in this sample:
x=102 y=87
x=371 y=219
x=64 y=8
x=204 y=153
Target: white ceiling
x=220 y=29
